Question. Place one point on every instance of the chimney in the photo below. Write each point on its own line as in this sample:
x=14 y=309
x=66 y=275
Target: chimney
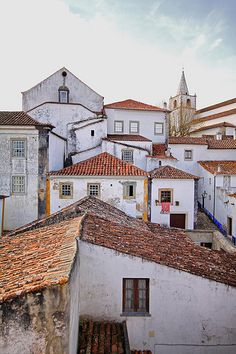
x=218 y=168
x=168 y=152
x=219 y=136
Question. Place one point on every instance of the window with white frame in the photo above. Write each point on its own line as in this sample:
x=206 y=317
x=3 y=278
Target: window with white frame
x=127 y=155
x=94 y=189
x=66 y=190
x=129 y=190
x=118 y=126
x=18 y=148
x=165 y=195
x=18 y=184
x=188 y=155
x=134 y=127
x=158 y=128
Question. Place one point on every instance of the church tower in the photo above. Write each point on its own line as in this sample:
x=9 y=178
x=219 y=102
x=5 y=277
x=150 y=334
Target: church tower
x=182 y=107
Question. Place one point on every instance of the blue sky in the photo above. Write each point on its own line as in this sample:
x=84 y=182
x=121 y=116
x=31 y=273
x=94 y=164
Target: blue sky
x=121 y=48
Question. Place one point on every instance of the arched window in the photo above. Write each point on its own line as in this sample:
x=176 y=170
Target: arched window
x=188 y=102
x=175 y=104
x=63 y=94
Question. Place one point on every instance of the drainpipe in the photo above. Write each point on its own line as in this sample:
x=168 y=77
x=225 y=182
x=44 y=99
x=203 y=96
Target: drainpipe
x=149 y=198
x=214 y=201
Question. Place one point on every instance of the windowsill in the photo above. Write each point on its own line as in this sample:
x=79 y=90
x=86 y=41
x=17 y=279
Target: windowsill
x=135 y=314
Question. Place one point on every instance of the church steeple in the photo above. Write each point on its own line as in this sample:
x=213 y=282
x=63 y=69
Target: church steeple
x=183 y=88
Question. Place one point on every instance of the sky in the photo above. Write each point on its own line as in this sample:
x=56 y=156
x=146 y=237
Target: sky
x=120 y=48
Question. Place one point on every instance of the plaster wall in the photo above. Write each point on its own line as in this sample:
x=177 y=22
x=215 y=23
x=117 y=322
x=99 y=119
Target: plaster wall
x=216 y=110
x=181 y=316
x=154 y=162
x=111 y=192
x=47 y=91
x=183 y=191
x=84 y=155
x=84 y=138
x=231 y=118
x=57 y=151
x=20 y=209
x=146 y=121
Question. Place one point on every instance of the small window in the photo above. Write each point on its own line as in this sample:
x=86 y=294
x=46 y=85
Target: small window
x=129 y=190
x=166 y=196
x=118 y=126
x=158 y=128
x=159 y=163
x=134 y=127
x=209 y=197
x=94 y=189
x=18 y=184
x=18 y=148
x=188 y=102
x=210 y=180
x=127 y=156
x=188 y=155
x=92 y=132
x=175 y=104
x=66 y=191
x=63 y=96
x=206 y=244
x=136 y=296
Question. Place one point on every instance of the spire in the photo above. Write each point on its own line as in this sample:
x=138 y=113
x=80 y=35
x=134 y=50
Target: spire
x=183 y=88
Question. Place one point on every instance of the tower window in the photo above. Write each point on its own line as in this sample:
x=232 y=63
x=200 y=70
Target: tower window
x=175 y=104
x=63 y=94
x=188 y=102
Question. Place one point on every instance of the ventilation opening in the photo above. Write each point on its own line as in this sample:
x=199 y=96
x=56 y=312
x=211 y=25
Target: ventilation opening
x=92 y=132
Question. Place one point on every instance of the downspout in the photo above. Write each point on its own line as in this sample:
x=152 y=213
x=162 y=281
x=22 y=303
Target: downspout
x=214 y=201
x=149 y=198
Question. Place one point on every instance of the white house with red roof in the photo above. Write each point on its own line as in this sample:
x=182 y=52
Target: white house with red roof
x=104 y=176
x=217 y=184
x=173 y=197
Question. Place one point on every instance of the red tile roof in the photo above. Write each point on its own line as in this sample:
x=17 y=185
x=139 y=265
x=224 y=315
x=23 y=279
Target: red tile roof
x=169 y=172
x=158 y=149
x=19 y=118
x=141 y=352
x=221 y=144
x=102 y=337
x=217 y=105
x=34 y=260
x=218 y=125
x=132 y=104
x=103 y=164
x=127 y=137
x=233 y=195
x=215 y=116
x=219 y=167
x=188 y=140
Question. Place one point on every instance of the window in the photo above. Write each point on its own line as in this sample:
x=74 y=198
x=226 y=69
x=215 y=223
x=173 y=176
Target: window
x=94 y=189
x=209 y=197
x=165 y=195
x=188 y=103
x=175 y=104
x=18 y=148
x=118 y=126
x=92 y=132
x=209 y=180
x=66 y=190
x=188 y=155
x=133 y=127
x=158 y=128
x=226 y=181
x=127 y=155
x=18 y=184
x=63 y=96
x=136 y=296
x=129 y=190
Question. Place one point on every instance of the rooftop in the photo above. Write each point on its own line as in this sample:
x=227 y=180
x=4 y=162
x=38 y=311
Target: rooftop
x=103 y=164
x=169 y=172
x=218 y=125
x=188 y=140
x=217 y=105
x=41 y=254
x=19 y=118
x=159 y=151
x=215 y=116
x=127 y=137
x=132 y=104
x=219 y=167
x=221 y=144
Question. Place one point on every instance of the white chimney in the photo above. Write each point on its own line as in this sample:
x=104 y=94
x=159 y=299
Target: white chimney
x=218 y=168
x=219 y=136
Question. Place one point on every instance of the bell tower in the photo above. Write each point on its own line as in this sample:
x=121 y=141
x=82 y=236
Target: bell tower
x=182 y=107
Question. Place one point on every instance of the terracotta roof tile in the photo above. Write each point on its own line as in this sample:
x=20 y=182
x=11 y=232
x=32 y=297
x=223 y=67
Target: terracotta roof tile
x=221 y=144
x=215 y=116
x=169 y=172
x=218 y=125
x=132 y=104
x=127 y=137
x=101 y=337
x=34 y=260
x=217 y=105
x=103 y=164
x=141 y=352
x=158 y=149
x=219 y=167
x=233 y=195
x=189 y=140
x=19 y=118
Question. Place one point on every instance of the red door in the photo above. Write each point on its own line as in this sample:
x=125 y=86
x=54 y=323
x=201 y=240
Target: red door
x=177 y=220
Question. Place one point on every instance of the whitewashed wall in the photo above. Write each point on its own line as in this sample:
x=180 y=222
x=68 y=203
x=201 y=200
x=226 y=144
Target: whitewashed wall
x=57 y=152
x=111 y=192
x=146 y=125
x=19 y=209
x=183 y=191
x=180 y=310
x=154 y=162
x=47 y=91
x=84 y=155
x=214 y=131
x=115 y=149
x=216 y=110
x=84 y=140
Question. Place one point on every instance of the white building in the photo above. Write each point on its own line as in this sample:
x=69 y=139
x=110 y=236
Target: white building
x=133 y=117
x=175 y=190
x=24 y=163
x=2 y=207
x=103 y=176
x=217 y=183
